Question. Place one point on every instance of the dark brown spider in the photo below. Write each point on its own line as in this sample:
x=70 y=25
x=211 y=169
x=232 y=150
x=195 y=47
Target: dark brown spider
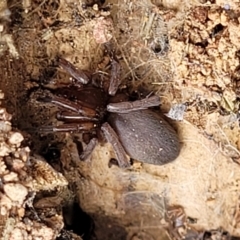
x=92 y=105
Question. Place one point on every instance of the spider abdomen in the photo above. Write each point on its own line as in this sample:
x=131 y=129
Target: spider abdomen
x=146 y=136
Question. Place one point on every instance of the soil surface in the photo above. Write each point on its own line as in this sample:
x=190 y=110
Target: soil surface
x=187 y=53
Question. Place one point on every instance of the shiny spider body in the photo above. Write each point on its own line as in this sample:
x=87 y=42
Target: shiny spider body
x=94 y=106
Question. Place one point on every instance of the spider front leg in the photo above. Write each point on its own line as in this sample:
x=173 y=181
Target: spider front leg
x=70 y=117
x=115 y=79
x=83 y=127
x=81 y=76
x=112 y=138
x=79 y=120
x=69 y=105
x=126 y=107
x=73 y=127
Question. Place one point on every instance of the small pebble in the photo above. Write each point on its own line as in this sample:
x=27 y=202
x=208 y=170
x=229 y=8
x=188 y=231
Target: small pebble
x=177 y=112
x=5 y=204
x=17 y=164
x=4 y=149
x=15 y=138
x=1 y=95
x=226 y=6
x=16 y=192
x=5 y=126
x=10 y=177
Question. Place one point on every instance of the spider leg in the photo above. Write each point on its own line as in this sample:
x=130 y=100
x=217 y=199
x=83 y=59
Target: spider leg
x=112 y=138
x=77 y=128
x=115 y=80
x=88 y=150
x=126 y=107
x=81 y=76
x=74 y=117
x=69 y=105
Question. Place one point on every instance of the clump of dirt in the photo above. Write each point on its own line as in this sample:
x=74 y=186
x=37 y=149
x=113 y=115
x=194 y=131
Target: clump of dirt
x=187 y=52
x=206 y=71
x=22 y=177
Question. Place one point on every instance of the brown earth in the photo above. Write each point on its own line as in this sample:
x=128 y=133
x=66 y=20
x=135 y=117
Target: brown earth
x=188 y=53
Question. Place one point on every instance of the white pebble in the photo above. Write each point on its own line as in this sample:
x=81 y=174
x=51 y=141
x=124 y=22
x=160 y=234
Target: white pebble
x=5 y=204
x=5 y=126
x=15 y=138
x=10 y=177
x=16 y=192
x=4 y=149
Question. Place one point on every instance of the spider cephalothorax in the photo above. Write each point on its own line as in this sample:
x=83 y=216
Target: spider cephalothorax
x=89 y=105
